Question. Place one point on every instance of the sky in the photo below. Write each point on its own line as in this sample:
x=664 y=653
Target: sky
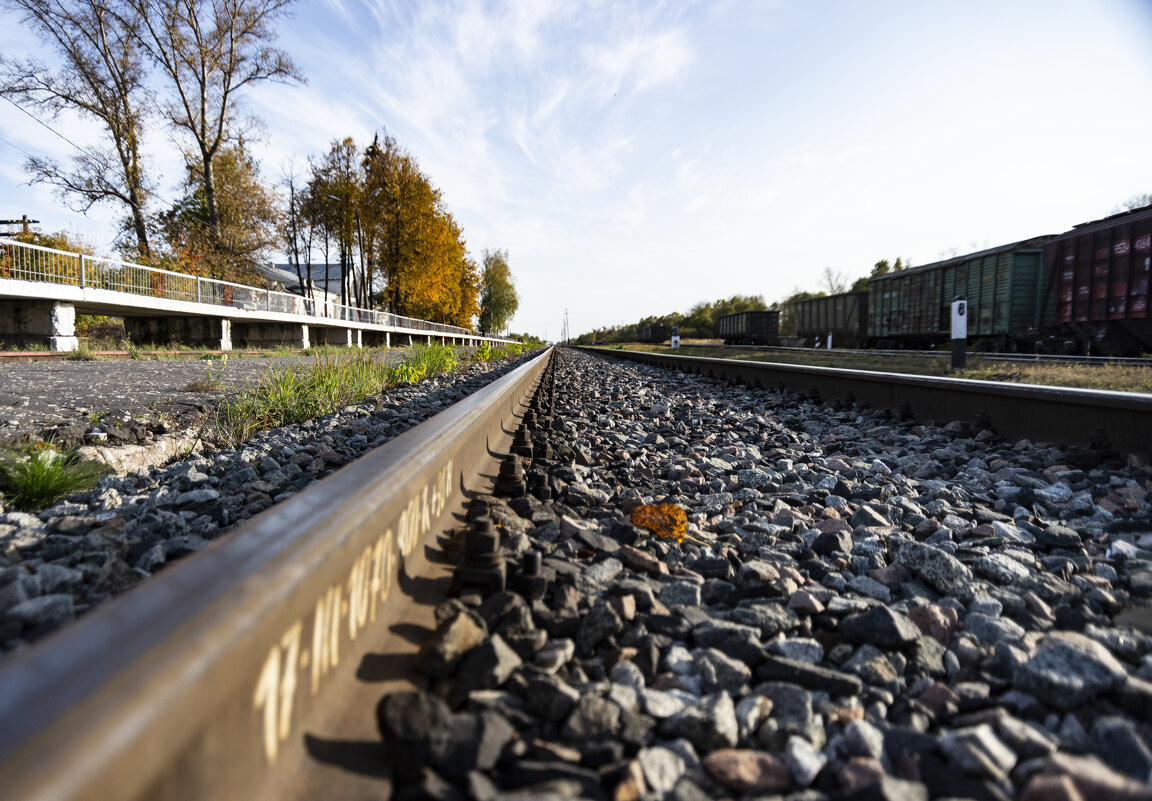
x=635 y=159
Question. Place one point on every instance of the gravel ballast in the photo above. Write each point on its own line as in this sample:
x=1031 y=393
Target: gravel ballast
x=862 y=608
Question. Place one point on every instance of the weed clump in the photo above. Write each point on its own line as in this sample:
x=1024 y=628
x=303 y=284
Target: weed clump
x=212 y=381
x=39 y=479
x=291 y=395
x=82 y=353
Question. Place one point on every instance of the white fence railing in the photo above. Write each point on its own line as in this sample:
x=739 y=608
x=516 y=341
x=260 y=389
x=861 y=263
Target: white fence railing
x=25 y=262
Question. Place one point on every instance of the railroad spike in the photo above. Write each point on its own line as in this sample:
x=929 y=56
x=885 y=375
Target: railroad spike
x=541 y=489
x=1100 y=450
x=543 y=455
x=529 y=581
x=482 y=567
x=983 y=419
x=480 y=506
x=522 y=444
x=510 y=481
x=906 y=410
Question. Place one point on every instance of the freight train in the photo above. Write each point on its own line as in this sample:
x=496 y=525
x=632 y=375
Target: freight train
x=749 y=328
x=1084 y=291
x=653 y=334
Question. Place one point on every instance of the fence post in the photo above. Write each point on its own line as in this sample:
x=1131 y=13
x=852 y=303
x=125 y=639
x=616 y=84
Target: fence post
x=81 y=270
x=268 y=300
x=198 y=289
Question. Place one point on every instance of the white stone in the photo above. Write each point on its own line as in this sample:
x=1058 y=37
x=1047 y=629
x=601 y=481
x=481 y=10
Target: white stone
x=662 y=768
x=803 y=760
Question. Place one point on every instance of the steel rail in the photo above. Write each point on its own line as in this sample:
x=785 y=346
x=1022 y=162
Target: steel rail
x=1067 y=416
x=1041 y=358
x=229 y=675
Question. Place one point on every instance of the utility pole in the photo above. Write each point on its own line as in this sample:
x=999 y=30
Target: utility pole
x=24 y=222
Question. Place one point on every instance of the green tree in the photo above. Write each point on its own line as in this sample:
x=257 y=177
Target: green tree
x=61 y=240
x=787 y=309
x=248 y=220
x=101 y=76
x=498 y=298
x=700 y=322
x=409 y=241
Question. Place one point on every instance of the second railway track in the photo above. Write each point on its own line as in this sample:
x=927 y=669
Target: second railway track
x=861 y=604
x=1095 y=421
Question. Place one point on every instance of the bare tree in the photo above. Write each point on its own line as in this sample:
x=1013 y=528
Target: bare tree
x=102 y=78
x=836 y=282
x=1134 y=202
x=209 y=51
x=297 y=232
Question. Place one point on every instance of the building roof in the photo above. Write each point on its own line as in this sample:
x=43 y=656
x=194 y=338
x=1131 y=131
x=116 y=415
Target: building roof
x=285 y=275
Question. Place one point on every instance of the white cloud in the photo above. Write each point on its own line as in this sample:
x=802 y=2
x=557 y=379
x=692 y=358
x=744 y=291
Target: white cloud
x=637 y=63
x=676 y=152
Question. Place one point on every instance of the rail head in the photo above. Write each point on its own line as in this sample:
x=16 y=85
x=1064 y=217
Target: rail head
x=234 y=649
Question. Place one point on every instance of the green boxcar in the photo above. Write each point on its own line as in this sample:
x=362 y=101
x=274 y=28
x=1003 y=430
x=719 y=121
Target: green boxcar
x=1005 y=288
x=844 y=316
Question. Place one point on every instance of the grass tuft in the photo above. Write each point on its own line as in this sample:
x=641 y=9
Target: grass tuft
x=37 y=480
x=83 y=353
x=290 y=395
x=212 y=382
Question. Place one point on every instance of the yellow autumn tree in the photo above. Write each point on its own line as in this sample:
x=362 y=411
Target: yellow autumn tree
x=417 y=248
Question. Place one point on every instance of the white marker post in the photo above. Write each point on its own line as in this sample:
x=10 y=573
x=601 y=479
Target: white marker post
x=675 y=337
x=959 y=332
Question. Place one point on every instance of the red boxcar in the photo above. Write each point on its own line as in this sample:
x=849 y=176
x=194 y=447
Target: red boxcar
x=1099 y=282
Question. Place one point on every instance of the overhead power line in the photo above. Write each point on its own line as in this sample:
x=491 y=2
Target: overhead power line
x=36 y=119
x=16 y=146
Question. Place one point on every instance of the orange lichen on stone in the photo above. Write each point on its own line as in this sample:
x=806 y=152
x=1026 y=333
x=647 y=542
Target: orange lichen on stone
x=662 y=519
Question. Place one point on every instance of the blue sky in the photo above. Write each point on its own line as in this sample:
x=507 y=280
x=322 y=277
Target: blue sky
x=636 y=158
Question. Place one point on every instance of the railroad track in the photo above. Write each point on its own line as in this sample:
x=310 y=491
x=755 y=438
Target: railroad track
x=252 y=669
x=203 y=682
x=1047 y=358
x=1101 y=423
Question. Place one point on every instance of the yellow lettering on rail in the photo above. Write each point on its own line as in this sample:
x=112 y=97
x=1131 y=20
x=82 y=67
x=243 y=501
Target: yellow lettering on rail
x=368 y=583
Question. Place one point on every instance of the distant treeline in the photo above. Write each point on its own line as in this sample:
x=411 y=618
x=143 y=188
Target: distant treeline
x=698 y=323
